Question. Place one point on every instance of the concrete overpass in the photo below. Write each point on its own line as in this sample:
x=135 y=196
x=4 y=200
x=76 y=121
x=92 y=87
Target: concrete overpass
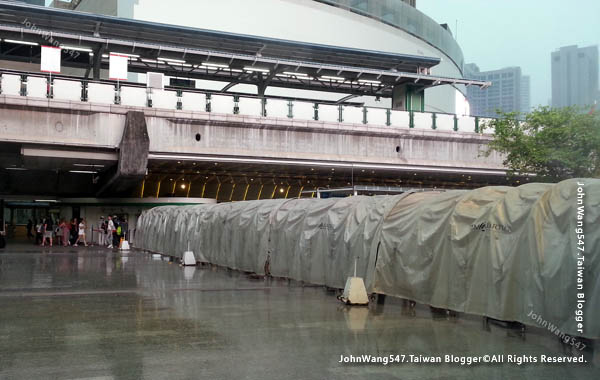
x=147 y=151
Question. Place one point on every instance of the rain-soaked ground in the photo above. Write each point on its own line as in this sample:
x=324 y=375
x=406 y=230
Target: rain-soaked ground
x=93 y=313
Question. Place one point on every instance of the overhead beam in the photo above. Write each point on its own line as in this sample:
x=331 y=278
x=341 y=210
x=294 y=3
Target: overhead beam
x=228 y=86
x=346 y=98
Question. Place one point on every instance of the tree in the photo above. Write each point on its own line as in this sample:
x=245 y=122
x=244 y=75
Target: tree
x=551 y=143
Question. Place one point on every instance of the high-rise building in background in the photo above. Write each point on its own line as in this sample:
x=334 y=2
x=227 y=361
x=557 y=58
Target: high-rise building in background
x=574 y=76
x=509 y=91
x=525 y=94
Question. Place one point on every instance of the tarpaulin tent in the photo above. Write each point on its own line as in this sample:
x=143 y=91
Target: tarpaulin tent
x=501 y=252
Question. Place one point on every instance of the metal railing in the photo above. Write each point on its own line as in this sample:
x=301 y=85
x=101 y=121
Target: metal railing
x=197 y=100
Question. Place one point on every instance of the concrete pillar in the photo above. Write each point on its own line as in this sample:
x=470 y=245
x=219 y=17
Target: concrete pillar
x=399 y=98
x=408 y=98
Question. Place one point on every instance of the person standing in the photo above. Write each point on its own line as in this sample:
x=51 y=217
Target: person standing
x=110 y=228
x=58 y=232
x=101 y=232
x=124 y=228
x=39 y=233
x=81 y=233
x=47 y=231
x=65 y=229
x=29 y=228
x=74 y=228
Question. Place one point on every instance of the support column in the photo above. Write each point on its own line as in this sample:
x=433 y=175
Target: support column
x=408 y=98
x=133 y=157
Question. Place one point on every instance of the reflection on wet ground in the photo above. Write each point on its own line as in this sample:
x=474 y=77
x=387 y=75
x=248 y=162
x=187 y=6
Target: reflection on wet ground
x=93 y=313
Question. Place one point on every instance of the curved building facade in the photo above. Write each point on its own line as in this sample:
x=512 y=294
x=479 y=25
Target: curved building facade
x=382 y=25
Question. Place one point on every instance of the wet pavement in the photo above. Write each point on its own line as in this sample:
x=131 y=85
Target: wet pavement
x=94 y=313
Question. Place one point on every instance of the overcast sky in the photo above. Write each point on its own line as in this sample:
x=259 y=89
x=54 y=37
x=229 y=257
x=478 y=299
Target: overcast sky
x=500 y=33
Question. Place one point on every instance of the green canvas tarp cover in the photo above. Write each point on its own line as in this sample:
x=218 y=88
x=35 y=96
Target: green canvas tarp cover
x=501 y=252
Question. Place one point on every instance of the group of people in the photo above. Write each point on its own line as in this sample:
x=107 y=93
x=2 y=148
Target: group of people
x=73 y=232
x=63 y=232
x=111 y=231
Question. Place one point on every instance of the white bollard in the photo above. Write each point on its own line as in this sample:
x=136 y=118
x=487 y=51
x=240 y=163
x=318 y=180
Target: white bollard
x=355 y=292
x=188 y=257
x=124 y=246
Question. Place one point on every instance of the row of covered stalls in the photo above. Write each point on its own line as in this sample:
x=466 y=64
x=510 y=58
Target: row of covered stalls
x=500 y=252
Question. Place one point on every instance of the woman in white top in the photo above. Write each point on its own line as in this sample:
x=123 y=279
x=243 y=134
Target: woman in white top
x=81 y=236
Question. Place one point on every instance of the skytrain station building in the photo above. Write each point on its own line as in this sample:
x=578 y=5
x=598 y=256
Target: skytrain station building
x=210 y=132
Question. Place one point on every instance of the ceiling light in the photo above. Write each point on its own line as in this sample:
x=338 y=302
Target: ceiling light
x=252 y=69
x=46 y=200
x=127 y=55
x=217 y=65
x=367 y=81
x=21 y=42
x=294 y=74
x=82 y=171
x=147 y=60
x=281 y=190
x=327 y=77
x=15 y=168
x=183 y=185
x=171 y=60
x=76 y=48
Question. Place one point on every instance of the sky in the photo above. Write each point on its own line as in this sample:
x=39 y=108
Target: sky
x=500 y=33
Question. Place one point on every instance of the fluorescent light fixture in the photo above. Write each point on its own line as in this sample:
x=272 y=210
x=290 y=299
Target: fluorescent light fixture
x=21 y=42
x=149 y=60
x=171 y=60
x=252 y=69
x=368 y=81
x=90 y=165
x=82 y=171
x=294 y=74
x=104 y=55
x=327 y=77
x=236 y=70
x=14 y=168
x=76 y=48
x=217 y=65
x=125 y=54
x=46 y=200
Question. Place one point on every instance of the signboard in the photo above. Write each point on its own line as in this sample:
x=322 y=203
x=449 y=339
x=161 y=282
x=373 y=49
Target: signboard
x=50 y=59
x=117 y=66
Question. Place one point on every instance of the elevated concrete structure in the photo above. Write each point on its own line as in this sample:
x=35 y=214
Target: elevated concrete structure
x=173 y=135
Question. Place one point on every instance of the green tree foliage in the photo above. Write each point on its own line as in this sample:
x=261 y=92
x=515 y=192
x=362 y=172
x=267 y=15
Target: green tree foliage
x=553 y=144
